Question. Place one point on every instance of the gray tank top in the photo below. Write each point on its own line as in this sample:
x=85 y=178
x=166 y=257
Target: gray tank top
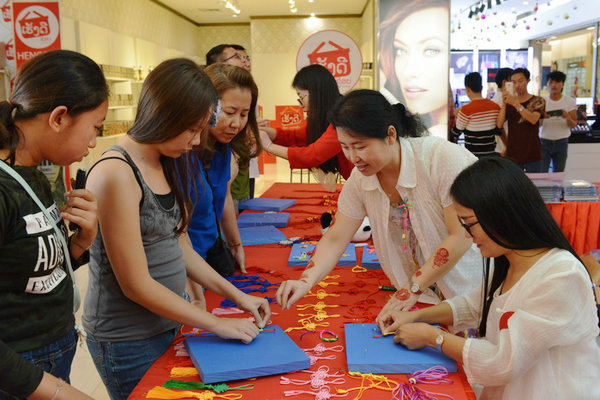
x=108 y=314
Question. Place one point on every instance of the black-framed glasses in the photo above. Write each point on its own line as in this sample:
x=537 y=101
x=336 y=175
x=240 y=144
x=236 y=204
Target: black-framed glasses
x=238 y=56
x=467 y=227
x=301 y=98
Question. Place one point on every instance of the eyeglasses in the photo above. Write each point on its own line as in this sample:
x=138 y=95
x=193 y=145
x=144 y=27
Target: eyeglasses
x=467 y=227
x=239 y=57
x=301 y=98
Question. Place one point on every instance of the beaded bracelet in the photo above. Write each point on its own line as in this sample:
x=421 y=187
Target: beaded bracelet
x=333 y=339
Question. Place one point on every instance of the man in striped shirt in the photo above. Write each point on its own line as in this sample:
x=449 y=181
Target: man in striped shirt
x=477 y=120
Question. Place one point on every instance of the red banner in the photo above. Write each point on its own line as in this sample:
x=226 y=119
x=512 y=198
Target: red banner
x=36 y=29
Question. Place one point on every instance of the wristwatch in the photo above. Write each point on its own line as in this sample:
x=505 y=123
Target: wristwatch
x=414 y=287
x=439 y=340
x=521 y=109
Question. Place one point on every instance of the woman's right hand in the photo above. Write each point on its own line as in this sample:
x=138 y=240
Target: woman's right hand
x=391 y=320
x=290 y=292
x=236 y=328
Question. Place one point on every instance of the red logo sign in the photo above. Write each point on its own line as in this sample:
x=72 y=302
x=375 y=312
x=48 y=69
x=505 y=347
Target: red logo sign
x=33 y=25
x=289 y=116
x=6 y=14
x=10 y=50
x=336 y=61
x=36 y=29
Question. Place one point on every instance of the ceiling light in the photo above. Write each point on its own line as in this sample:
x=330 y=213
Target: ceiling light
x=525 y=3
x=312 y=14
x=311 y=1
x=294 y=10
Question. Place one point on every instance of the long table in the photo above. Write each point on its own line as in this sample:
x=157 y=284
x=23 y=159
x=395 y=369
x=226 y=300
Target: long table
x=359 y=301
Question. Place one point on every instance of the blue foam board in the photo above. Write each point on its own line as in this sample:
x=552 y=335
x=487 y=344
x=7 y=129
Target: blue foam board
x=369 y=258
x=266 y=204
x=279 y=220
x=381 y=355
x=299 y=255
x=255 y=235
x=222 y=360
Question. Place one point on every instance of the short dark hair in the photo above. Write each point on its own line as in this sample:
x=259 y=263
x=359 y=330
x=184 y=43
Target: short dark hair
x=502 y=75
x=523 y=71
x=237 y=47
x=368 y=113
x=213 y=54
x=556 y=76
x=473 y=82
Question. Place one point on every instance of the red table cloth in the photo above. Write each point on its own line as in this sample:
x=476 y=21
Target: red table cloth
x=359 y=301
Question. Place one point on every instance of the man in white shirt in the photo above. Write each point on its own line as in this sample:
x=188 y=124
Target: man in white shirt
x=559 y=118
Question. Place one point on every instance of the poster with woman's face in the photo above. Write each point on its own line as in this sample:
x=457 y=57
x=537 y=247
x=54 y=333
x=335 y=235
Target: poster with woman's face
x=413 y=58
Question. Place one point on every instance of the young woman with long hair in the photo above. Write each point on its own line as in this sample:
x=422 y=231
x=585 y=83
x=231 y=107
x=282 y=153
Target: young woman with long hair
x=536 y=315
x=314 y=144
x=57 y=106
x=142 y=254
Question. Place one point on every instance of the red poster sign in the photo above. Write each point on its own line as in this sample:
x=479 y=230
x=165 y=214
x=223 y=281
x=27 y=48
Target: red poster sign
x=36 y=29
x=289 y=116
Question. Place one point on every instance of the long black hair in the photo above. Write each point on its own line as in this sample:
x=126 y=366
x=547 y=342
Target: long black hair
x=175 y=97
x=323 y=93
x=49 y=80
x=512 y=213
x=368 y=113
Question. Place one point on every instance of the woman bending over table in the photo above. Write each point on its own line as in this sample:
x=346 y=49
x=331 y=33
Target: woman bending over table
x=139 y=263
x=314 y=144
x=537 y=320
x=401 y=181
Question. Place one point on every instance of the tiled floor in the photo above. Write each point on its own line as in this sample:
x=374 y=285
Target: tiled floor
x=83 y=372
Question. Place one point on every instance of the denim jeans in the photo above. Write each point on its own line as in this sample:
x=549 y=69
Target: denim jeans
x=532 y=166
x=122 y=365
x=54 y=358
x=555 y=151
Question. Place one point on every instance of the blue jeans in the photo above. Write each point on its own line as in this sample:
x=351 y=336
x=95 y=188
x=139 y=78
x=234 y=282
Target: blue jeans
x=54 y=358
x=532 y=166
x=555 y=151
x=122 y=365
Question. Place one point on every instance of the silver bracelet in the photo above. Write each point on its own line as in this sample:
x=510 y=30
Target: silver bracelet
x=59 y=386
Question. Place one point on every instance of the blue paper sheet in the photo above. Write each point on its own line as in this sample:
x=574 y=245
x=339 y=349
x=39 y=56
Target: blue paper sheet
x=370 y=260
x=382 y=356
x=301 y=253
x=261 y=235
x=266 y=204
x=279 y=220
x=221 y=360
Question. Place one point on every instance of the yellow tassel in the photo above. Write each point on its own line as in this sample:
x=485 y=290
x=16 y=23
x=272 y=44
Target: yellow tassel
x=180 y=372
x=159 y=392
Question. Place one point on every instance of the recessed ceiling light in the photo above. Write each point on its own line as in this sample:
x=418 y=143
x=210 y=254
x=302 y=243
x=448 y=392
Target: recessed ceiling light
x=312 y=14
x=525 y=3
x=294 y=10
x=234 y=15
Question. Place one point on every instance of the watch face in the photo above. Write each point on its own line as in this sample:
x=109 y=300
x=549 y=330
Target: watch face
x=414 y=288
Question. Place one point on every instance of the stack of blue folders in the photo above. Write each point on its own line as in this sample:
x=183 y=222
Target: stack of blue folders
x=580 y=190
x=549 y=185
x=551 y=192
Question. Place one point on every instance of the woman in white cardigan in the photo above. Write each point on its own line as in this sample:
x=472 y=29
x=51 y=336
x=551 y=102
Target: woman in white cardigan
x=538 y=321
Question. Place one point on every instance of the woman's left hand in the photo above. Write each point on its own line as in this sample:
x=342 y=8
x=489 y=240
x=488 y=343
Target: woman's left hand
x=402 y=300
x=239 y=256
x=416 y=335
x=257 y=306
x=82 y=209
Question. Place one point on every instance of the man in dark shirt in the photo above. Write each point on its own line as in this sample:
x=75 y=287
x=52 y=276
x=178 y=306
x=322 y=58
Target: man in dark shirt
x=522 y=111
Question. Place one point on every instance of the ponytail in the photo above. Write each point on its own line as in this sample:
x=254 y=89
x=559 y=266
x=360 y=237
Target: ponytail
x=9 y=135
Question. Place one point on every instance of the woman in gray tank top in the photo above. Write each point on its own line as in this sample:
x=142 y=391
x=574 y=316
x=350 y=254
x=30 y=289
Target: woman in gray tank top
x=142 y=254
